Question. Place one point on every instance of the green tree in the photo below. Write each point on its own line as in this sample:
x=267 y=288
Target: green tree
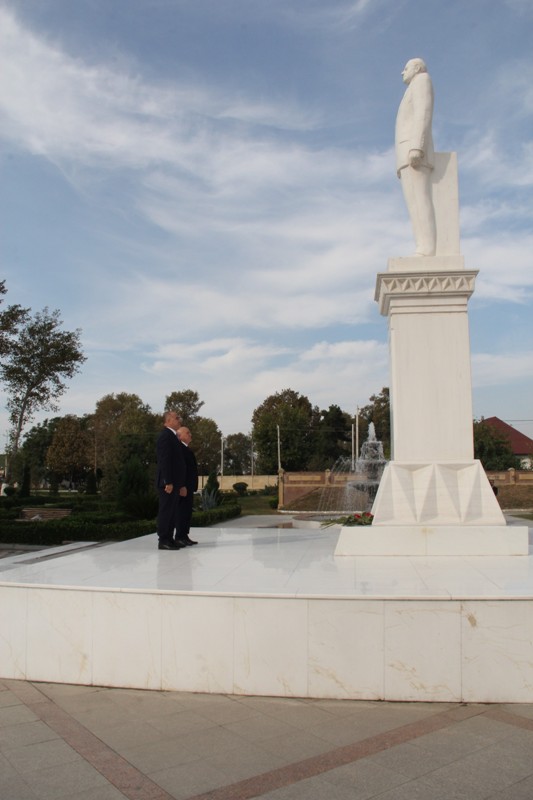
x=25 y=487
x=39 y=360
x=378 y=412
x=11 y=318
x=206 y=443
x=134 y=493
x=295 y=416
x=121 y=426
x=238 y=454
x=91 y=486
x=332 y=438
x=34 y=448
x=69 y=455
x=187 y=403
x=492 y=448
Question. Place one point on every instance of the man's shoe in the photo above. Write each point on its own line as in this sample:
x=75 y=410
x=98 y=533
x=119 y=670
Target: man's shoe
x=169 y=546
x=186 y=542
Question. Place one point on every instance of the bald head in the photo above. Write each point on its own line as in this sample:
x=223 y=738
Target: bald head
x=184 y=435
x=412 y=68
x=171 y=419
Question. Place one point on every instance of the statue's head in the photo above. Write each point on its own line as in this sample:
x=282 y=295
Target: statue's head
x=412 y=68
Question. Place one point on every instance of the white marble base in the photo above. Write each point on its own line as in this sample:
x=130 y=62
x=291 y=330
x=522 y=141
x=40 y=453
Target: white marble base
x=432 y=540
x=414 y=264
x=454 y=493
x=272 y=612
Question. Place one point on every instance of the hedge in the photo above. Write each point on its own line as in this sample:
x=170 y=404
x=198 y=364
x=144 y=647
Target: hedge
x=76 y=529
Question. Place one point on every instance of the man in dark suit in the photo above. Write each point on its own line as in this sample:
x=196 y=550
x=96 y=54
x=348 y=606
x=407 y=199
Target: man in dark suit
x=185 y=505
x=171 y=472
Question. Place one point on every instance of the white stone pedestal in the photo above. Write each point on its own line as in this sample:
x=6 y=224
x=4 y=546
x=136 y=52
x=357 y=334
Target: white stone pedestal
x=434 y=498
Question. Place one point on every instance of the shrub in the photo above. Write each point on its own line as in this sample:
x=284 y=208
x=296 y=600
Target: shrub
x=240 y=487
x=90 y=487
x=78 y=528
x=141 y=506
x=133 y=484
x=211 y=496
x=24 y=490
x=202 y=519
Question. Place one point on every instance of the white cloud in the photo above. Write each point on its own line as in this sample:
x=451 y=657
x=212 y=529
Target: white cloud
x=64 y=109
x=345 y=17
x=496 y=370
x=505 y=264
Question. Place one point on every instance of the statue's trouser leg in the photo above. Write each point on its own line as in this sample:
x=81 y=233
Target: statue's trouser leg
x=416 y=185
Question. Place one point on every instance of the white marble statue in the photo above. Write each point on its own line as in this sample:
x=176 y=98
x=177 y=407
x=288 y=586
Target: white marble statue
x=414 y=154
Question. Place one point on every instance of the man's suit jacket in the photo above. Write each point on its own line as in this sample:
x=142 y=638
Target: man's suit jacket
x=413 y=122
x=170 y=460
x=191 y=468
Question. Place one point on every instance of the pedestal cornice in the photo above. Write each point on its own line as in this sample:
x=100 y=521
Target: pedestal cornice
x=437 y=288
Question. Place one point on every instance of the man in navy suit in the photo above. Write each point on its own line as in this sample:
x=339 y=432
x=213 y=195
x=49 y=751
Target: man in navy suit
x=185 y=505
x=171 y=479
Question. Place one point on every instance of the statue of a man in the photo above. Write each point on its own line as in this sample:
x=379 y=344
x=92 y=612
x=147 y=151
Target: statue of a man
x=414 y=154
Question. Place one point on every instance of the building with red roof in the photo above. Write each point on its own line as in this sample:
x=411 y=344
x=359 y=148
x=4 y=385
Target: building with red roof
x=521 y=445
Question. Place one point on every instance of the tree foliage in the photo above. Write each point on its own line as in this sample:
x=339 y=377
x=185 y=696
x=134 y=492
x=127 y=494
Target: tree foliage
x=39 y=360
x=69 y=453
x=378 y=412
x=493 y=448
x=187 y=403
x=332 y=438
x=121 y=426
x=11 y=318
x=206 y=443
x=34 y=448
x=134 y=493
x=295 y=416
x=238 y=454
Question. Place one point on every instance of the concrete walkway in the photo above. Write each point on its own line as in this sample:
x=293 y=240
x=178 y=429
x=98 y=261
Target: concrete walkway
x=89 y=743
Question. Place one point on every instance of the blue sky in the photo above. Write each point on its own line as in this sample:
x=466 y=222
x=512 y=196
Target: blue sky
x=207 y=189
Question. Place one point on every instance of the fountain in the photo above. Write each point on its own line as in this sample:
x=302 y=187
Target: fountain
x=369 y=467
x=353 y=486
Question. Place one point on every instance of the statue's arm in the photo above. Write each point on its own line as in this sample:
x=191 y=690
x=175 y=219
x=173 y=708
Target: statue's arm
x=422 y=99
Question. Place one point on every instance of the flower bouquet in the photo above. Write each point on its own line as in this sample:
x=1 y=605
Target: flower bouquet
x=352 y=519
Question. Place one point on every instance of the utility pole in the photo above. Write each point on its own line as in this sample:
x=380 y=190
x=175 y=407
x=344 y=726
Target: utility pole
x=252 y=458
x=356 y=433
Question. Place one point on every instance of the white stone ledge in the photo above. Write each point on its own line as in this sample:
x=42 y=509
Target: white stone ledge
x=433 y=540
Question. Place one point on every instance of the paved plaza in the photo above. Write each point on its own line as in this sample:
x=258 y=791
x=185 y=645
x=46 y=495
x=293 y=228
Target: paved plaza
x=90 y=743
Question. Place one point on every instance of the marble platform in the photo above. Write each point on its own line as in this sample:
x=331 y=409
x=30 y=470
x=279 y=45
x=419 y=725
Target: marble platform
x=271 y=612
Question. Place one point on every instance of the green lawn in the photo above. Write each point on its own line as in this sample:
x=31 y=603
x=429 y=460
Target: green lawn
x=256 y=504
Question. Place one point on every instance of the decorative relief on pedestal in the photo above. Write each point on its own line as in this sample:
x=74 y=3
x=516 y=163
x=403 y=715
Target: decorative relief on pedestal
x=421 y=285
x=441 y=494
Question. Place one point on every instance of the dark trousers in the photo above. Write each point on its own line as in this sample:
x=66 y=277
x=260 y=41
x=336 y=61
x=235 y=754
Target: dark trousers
x=184 y=516
x=166 y=518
